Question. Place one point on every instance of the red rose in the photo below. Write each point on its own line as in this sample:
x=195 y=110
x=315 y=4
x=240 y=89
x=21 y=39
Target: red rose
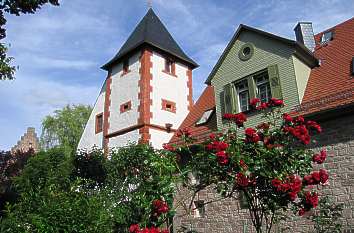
x=145 y=230
x=154 y=230
x=254 y=102
x=165 y=231
x=184 y=132
x=316 y=177
x=308 y=180
x=209 y=147
x=251 y=135
x=241 y=180
x=168 y=147
x=134 y=228
x=160 y=207
x=262 y=106
x=212 y=136
x=292 y=196
x=323 y=176
x=300 y=119
x=243 y=164
x=287 y=117
x=276 y=102
x=311 y=200
x=240 y=119
x=314 y=125
x=228 y=116
x=222 y=157
x=302 y=212
x=276 y=183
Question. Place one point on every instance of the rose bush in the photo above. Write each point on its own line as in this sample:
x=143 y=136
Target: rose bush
x=269 y=164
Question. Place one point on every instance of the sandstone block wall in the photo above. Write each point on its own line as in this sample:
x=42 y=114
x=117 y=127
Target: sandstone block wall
x=227 y=216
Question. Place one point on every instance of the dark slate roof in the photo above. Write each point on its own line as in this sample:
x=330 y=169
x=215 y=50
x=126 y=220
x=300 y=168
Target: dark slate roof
x=151 y=31
x=300 y=49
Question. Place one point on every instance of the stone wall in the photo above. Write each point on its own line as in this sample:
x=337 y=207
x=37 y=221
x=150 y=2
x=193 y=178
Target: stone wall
x=27 y=141
x=227 y=216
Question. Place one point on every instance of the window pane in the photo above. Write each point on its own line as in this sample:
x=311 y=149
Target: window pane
x=243 y=99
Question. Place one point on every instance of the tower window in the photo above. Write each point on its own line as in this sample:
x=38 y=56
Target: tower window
x=168 y=106
x=326 y=37
x=125 y=107
x=99 y=123
x=169 y=66
x=126 y=66
x=263 y=87
x=243 y=96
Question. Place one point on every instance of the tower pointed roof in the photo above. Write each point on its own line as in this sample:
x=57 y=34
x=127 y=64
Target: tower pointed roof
x=151 y=31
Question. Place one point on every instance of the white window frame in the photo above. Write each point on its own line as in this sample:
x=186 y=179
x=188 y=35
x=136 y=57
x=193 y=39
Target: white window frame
x=325 y=39
x=241 y=90
x=261 y=83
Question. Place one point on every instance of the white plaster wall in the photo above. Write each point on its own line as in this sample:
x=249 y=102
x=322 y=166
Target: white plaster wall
x=124 y=139
x=89 y=137
x=302 y=73
x=158 y=138
x=123 y=89
x=170 y=88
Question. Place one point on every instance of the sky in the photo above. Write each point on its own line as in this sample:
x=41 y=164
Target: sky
x=59 y=50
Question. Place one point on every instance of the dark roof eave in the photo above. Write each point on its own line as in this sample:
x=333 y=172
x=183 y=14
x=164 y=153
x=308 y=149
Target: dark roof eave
x=189 y=62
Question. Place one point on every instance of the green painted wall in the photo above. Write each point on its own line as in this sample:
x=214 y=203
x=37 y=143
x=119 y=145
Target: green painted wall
x=266 y=52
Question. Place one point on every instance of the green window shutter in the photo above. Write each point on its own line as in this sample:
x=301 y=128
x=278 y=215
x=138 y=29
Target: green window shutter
x=274 y=80
x=230 y=102
x=251 y=87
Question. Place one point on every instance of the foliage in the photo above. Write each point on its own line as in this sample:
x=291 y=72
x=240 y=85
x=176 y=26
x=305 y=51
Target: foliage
x=133 y=188
x=327 y=217
x=89 y=193
x=15 y=7
x=11 y=165
x=65 y=127
x=269 y=164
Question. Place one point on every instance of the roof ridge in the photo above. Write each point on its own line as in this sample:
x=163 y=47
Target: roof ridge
x=337 y=25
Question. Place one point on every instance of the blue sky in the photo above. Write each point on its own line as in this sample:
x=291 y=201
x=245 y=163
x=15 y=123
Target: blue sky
x=59 y=50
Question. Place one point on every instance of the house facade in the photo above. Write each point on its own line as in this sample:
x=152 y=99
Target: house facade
x=314 y=75
x=147 y=97
x=147 y=92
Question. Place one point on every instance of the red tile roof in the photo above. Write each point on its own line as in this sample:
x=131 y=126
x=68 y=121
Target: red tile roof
x=331 y=85
x=205 y=102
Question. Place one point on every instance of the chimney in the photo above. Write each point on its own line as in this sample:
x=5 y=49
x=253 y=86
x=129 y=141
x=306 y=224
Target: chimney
x=304 y=35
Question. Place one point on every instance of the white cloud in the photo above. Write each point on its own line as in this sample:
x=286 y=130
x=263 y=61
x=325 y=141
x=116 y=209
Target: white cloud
x=30 y=99
x=50 y=63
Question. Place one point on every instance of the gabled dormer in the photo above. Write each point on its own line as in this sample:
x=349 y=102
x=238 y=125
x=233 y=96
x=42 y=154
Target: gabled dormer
x=259 y=64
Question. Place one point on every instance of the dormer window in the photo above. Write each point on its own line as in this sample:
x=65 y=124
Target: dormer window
x=125 y=66
x=205 y=117
x=326 y=37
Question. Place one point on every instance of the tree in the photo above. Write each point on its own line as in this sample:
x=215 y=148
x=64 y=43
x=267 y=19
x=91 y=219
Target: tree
x=65 y=127
x=15 y=7
x=11 y=165
x=89 y=193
